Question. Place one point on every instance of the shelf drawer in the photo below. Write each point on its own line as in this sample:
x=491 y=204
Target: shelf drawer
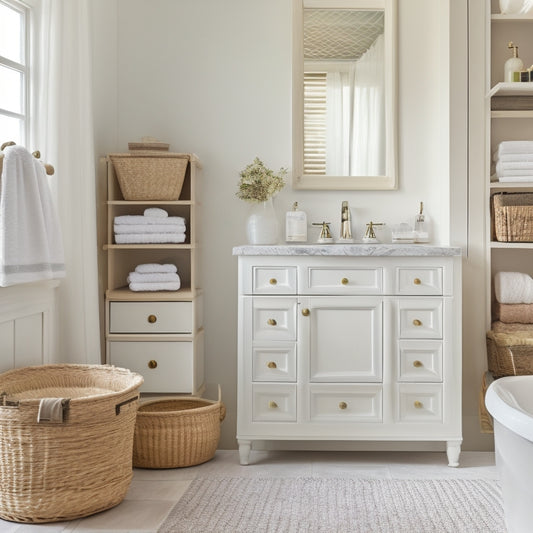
x=420 y=403
x=420 y=319
x=420 y=361
x=274 y=403
x=150 y=317
x=274 y=280
x=274 y=363
x=343 y=281
x=274 y=319
x=424 y=281
x=357 y=403
x=166 y=366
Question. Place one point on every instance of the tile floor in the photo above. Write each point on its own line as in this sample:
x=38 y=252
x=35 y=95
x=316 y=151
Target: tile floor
x=153 y=493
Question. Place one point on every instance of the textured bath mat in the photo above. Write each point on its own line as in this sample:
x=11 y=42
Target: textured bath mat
x=313 y=505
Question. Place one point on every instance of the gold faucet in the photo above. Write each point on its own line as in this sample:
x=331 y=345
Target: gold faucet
x=346 y=220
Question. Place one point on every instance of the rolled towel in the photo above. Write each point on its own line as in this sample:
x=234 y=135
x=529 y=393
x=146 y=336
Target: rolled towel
x=163 y=286
x=155 y=212
x=151 y=277
x=150 y=238
x=53 y=410
x=141 y=219
x=149 y=228
x=513 y=288
x=156 y=267
x=514 y=313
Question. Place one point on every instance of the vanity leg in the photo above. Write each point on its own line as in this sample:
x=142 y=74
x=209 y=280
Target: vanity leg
x=244 y=451
x=453 y=449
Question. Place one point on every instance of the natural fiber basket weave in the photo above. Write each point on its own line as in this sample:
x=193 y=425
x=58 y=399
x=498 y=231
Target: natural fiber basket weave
x=177 y=432
x=155 y=176
x=510 y=350
x=62 y=471
x=513 y=217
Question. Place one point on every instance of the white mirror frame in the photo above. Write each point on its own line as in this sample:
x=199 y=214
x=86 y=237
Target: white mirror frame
x=390 y=180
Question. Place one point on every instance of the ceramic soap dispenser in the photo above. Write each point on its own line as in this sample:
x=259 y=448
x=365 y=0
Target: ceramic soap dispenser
x=513 y=64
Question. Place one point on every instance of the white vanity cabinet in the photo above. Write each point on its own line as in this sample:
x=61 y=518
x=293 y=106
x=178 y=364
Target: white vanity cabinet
x=349 y=342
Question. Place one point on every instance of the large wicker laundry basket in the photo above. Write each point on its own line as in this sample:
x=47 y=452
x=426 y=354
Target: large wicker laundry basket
x=51 y=471
x=177 y=432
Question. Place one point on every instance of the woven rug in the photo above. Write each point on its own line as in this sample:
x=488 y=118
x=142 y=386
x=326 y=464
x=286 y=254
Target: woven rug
x=246 y=505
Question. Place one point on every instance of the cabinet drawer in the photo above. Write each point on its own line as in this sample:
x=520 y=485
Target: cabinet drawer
x=166 y=366
x=274 y=363
x=274 y=319
x=420 y=403
x=415 y=281
x=150 y=317
x=274 y=280
x=420 y=361
x=274 y=403
x=360 y=403
x=343 y=281
x=420 y=319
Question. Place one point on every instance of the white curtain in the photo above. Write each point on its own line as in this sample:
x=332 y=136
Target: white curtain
x=64 y=133
x=355 y=120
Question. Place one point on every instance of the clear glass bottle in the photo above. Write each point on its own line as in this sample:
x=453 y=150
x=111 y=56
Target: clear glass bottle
x=421 y=226
x=296 y=225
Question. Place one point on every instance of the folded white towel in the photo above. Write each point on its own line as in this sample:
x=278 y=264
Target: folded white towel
x=156 y=267
x=504 y=166
x=31 y=246
x=149 y=228
x=53 y=410
x=163 y=286
x=514 y=172
x=155 y=212
x=513 y=288
x=504 y=179
x=147 y=238
x=513 y=157
x=515 y=147
x=141 y=219
x=152 y=277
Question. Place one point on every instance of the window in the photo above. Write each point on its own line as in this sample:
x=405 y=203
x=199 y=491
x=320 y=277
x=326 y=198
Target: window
x=14 y=75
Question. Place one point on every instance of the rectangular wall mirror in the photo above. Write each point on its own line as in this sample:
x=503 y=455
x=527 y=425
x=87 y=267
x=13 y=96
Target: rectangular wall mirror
x=344 y=94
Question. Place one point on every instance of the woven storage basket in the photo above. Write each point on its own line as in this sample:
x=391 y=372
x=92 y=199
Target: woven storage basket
x=513 y=217
x=62 y=471
x=510 y=350
x=156 y=176
x=177 y=432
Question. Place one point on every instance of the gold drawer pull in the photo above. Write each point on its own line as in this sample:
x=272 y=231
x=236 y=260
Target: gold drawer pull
x=152 y=319
x=272 y=405
x=343 y=405
x=344 y=281
x=417 y=322
x=272 y=364
x=418 y=405
x=417 y=363
x=305 y=312
x=271 y=322
x=273 y=281
x=152 y=363
x=417 y=281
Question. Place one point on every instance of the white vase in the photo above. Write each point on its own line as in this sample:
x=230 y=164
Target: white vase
x=262 y=225
x=516 y=7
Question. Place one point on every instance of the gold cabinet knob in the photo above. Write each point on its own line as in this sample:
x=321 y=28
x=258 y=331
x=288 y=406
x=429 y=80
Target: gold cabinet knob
x=343 y=405
x=417 y=363
x=272 y=364
x=152 y=319
x=305 y=312
x=273 y=281
x=272 y=405
x=271 y=322
x=418 y=405
x=417 y=281
x=417 y=322
x=152 y=364
x=344 y=281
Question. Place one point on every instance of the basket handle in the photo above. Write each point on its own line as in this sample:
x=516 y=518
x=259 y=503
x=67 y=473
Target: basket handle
x=119 y=405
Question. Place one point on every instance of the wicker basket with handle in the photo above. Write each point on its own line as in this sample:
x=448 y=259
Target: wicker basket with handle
x=513 y=217
x=150 y=176
x=510 y=349
x=177 y=432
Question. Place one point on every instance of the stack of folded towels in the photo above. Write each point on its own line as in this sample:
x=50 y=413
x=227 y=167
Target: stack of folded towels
x=154 y=226
x=514 y=161
x=514 y=297
x=154 y=277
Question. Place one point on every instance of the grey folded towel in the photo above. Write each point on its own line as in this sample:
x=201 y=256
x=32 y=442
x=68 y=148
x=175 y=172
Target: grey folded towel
x=53 y=410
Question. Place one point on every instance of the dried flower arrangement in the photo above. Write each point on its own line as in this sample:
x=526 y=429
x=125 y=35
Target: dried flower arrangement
x=258 y=183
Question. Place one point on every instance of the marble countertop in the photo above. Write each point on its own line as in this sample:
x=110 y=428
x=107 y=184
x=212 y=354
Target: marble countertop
x=394 y=250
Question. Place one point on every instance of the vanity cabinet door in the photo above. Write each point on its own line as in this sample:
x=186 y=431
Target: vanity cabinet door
x=341 y=337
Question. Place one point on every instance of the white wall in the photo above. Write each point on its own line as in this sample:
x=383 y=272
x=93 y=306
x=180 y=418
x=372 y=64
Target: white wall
x=214 y=78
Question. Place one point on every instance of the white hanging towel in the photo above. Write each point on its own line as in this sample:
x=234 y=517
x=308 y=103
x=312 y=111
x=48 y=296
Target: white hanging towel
x=31 y=246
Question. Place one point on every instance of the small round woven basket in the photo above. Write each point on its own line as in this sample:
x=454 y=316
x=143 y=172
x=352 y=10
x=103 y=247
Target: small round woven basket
x=177 y=432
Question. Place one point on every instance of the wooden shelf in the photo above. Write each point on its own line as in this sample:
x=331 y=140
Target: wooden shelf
x=515 y=113
x=512 y=89
x=125 y=294
x=149 y=202
x=149 y=246
x=515 y=185
x=498 y=17
x=512 y=245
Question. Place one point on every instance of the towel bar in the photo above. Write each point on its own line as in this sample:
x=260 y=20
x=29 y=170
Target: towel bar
x=47 y=166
